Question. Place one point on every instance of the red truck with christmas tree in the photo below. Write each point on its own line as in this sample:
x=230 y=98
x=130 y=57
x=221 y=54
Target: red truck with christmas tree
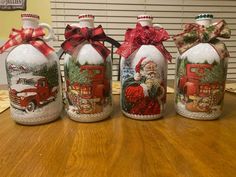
x=191 y=84
x=93 y=83
x=99 y=84
x=30 y=92
x=91 y=86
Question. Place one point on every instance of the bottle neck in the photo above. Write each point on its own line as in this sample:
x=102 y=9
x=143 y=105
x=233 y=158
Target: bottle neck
x=86 y=23
x=145 y=22
x=30 y=23
x=204 y=22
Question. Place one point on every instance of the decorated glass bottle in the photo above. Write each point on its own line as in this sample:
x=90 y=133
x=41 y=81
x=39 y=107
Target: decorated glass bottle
x=88 y=71
x=33 y=73
x=201 y=68
x=144 y=70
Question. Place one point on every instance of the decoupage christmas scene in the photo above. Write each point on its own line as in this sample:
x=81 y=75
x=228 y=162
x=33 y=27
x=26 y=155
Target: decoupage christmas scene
x=144 y=70
x=88 y=71
x=88 y=86
x=34 y=85
x=200 y=85
x=143 y=87
x=33 y=73
x=201 y=69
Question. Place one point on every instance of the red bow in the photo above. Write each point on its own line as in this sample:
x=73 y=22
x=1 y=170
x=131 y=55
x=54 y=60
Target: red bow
x=29 y=36
x=75 y=36
x=144 y=35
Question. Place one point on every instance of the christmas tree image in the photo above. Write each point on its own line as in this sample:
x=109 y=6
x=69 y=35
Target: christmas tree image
x=127 y=71
x=215 y=74
x=75 y=75
x=181 y=66
x=181 y=73
x=51 y=73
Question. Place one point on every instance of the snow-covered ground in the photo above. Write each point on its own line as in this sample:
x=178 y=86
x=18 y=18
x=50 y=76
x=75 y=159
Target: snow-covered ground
x=40 y=115
x=181 y=109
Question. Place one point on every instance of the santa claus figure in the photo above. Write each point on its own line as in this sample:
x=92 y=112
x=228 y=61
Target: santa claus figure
x=144 y=94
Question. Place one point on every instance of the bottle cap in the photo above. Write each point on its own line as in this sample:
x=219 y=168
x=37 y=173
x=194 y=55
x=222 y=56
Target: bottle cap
x=86 y=16
x=29 y=16
x=143 y=17
x=204 y=16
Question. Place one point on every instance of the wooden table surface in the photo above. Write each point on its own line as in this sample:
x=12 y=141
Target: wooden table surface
x=121 y=147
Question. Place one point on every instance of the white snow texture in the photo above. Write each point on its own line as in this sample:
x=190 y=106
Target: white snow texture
x=27 y=55
x=201 y=53
x=87 y=55
x=42 y=114
x=21 y=87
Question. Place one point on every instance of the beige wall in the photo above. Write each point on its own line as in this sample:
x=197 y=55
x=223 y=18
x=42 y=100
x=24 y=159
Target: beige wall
x=9 y=19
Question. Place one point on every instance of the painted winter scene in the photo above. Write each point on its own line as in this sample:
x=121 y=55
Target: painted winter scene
x=33 y=88
x=200 y=86
x=88 y=87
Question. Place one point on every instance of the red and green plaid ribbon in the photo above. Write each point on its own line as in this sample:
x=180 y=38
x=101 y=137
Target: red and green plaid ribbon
x=194 y=34
x=144 y=35
x=28 y=36
x=75 y=36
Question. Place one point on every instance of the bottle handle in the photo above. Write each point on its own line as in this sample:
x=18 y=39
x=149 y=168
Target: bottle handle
x=50 y=35
x=157 y=26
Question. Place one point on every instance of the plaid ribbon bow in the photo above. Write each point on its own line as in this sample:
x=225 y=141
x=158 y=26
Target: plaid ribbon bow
x=75 y=36
x=28 y=36
x=144 y=35
x=194 y=34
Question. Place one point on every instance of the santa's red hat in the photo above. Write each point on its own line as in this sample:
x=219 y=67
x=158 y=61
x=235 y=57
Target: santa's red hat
x=142 y=62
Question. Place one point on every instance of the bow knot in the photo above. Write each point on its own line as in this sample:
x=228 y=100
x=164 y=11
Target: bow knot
x=75 y=36
x=29 y=36
x=143 y=35
x=86 y=33
x=194 y=34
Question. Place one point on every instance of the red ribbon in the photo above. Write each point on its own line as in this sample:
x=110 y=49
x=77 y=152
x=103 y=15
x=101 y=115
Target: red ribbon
x=144 y=35
x=75 y=36
x=28 y=36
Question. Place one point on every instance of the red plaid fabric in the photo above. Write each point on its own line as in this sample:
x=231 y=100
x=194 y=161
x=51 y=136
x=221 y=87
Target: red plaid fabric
x=144 y=35
x=75 y=36
x=28 y=36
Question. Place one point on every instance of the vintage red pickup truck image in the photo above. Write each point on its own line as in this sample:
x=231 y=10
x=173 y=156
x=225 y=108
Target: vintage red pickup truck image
x=31 y=92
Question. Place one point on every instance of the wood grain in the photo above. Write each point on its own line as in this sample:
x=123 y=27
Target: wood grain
x=121 y=147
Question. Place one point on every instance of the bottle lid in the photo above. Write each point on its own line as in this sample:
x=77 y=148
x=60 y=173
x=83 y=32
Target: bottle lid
x=204 y=16
x=86 y=16
x=143 y=17
x=29 y=16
